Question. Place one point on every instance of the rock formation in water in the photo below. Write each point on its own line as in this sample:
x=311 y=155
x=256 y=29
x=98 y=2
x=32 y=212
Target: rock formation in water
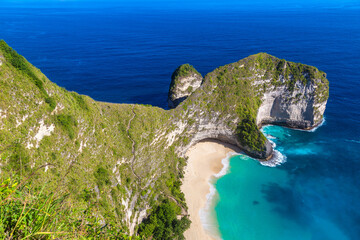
x=184 y=81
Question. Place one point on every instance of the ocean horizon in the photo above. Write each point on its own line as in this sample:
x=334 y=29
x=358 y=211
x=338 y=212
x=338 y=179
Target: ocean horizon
x=127 y=55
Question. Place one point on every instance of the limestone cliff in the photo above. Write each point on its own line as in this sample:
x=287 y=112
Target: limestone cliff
x=184 y=81
x=260 y=89
x=301 y=107
x=127 y=157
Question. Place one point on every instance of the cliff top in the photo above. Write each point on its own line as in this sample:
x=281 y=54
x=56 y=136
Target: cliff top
x=184 y=70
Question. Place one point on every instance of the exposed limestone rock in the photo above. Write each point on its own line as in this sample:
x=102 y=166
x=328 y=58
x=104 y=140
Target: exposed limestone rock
x=184 y=81
x=297 y=109
x=42 y=132
x=236 y=99
x=1 y=59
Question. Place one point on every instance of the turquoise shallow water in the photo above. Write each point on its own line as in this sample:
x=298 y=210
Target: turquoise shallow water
x=284 y=202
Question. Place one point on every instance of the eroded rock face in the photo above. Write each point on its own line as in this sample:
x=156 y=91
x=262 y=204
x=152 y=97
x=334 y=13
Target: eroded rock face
x=1 y=59
x=184 y=81
x=214 y=127
x=299 y=108
x=235 y=100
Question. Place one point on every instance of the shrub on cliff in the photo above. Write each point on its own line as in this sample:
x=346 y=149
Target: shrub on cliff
x=163 y=223
x=249 y=134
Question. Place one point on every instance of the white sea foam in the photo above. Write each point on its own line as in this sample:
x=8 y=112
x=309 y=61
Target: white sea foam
x=321 y=124
x=277 y=159
x=226 y=163
x=315 y=128
x=268 y=136
x=207 y=215
x=273 y=144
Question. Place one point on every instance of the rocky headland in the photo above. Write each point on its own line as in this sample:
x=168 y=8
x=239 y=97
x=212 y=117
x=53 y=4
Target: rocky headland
x=129 y=158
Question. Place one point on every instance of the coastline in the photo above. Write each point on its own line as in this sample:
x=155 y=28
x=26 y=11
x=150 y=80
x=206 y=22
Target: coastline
x=206 y=160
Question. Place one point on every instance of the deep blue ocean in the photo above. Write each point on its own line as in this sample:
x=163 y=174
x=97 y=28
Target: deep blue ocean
x=127 y=55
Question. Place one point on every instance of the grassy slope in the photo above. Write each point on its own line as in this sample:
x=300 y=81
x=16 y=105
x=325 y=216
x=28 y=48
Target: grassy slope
x=118 y=155
x=91 y=147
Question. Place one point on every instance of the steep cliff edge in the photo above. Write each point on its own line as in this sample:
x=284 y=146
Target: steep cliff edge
x=129 y=158
x=235 y=99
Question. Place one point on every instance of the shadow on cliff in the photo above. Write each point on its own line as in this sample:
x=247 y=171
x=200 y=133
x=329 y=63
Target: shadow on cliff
x=235 y=148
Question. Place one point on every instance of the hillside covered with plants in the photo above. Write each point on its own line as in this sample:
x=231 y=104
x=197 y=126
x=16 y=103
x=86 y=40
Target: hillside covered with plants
x=116 y=169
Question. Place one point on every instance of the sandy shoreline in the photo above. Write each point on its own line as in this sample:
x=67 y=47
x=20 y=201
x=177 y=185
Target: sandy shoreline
x=204 y=161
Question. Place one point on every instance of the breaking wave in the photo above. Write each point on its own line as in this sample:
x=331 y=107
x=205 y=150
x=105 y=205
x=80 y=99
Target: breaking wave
x=207 y=217
x=277 y=159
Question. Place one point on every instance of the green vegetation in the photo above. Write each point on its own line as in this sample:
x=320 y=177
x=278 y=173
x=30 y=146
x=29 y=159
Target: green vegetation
x=184 y=70
x=163 y=224
x=19 y=159
x=232 y=84
x=51 y=102
x=174 y=186
x=68 y=123
x=102 y=164
x=235 y=91
x=100 y=152
x=102 y=177
x=20 y=63
x=249 y=135
x=292 y=72
x=80 y=101
x=28 y=212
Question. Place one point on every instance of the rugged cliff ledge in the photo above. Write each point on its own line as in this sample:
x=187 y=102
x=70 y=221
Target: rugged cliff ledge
x=128 y=158
x=236 y=99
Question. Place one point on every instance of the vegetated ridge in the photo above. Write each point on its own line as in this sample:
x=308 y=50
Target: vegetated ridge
x=126 y=161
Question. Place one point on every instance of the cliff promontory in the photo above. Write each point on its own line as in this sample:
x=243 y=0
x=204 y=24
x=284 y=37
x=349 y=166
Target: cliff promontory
x=234 y=100
x=184 y=81
x=127 y=160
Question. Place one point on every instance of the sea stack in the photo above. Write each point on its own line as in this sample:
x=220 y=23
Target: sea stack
x=184 y=81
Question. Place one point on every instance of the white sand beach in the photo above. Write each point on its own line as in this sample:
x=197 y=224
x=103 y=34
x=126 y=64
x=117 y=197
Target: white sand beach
x=204 y=160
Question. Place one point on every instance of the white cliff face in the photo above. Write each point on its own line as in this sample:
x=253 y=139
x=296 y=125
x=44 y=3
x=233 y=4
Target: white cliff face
x=298 y=108
x=209 y=127
x=183 y=88
x=224 y=108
